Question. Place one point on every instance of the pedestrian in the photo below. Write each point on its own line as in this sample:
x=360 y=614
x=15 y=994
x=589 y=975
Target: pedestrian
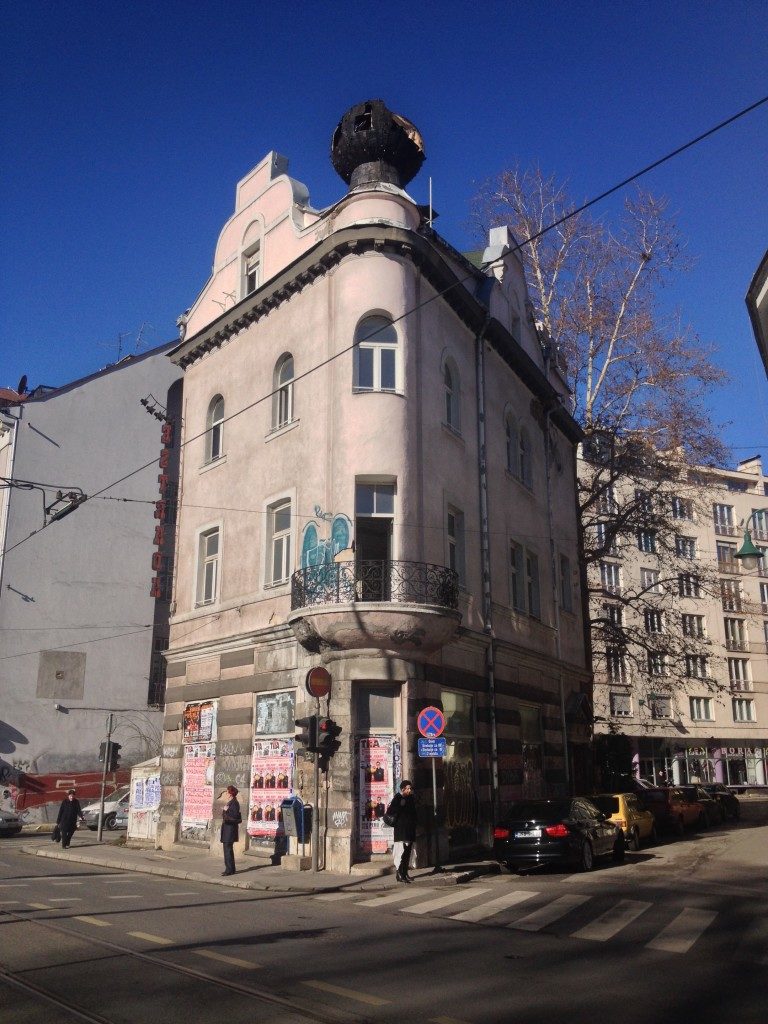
x=230 y=819
x=403 y=809
x=69 y=811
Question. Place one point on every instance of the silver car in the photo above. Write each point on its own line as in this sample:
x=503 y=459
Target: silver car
x=115 y=811
x=10 y=823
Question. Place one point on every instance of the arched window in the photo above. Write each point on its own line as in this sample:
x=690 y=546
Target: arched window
x=526 y=467
x=452 y=395
x=214 y=438
x=513 y=446
x=282 y=401
x=375 y=355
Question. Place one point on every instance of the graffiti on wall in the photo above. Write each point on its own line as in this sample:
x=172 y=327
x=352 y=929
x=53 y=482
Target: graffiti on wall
x=318 y=551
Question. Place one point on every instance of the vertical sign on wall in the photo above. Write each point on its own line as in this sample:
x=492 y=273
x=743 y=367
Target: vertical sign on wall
x=376 y=789
x=199 y=724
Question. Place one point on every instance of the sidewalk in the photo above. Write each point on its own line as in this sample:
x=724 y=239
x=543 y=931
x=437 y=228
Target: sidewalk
x=200 y=866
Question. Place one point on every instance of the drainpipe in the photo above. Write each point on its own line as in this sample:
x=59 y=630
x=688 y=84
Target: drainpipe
x=553 y=572
x=482 y=469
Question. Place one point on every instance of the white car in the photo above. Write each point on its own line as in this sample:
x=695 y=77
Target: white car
x=10 y=823
x=115 y=811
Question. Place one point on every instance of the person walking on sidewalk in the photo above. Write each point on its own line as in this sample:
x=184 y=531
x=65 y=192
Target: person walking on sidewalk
x=403 y=810
x=69 y=811
x=230 y=819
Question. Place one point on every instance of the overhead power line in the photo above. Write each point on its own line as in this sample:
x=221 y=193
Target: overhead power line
x=409 y=312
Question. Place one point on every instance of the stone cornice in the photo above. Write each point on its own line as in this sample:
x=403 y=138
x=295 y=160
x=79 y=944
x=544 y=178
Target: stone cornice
x=396 y=241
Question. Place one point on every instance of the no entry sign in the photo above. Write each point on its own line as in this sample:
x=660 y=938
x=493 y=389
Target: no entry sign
x=318 y=682
x=431 y=722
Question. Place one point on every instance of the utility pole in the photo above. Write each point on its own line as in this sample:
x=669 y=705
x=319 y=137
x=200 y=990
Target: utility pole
x=316 y=808
x=107 y=750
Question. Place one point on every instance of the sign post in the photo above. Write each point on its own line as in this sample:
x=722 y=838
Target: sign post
x=431 y=723
x=318 y=684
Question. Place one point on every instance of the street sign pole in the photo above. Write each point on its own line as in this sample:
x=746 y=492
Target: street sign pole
x=316 y=808
x=104 y=776
x=431 y=723
x=436 y=870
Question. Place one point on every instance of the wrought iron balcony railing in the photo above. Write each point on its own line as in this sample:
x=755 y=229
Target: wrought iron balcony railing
x=398 y=582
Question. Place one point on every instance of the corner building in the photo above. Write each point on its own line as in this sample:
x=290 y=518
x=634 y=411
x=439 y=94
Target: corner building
x=378 y=477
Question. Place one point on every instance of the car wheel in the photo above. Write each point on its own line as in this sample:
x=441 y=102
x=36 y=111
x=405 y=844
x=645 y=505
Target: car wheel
x=110 y=821
x=620 y=850
x=587 y=857
x=634 y=840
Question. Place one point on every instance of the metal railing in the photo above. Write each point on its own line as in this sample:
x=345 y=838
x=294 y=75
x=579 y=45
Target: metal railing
x=399 y=582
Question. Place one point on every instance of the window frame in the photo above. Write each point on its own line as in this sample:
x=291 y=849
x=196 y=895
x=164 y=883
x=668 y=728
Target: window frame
x=451 y=396
x=204 y=561
x=376 y=344
x=455 y=542
x=701 y=709
x=282 y=397
x=214 y=429
x=285 y=537
x=747 y=704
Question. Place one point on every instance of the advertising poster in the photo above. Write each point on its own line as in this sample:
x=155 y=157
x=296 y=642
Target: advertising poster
x=199 y=763
x=271 y=783
x=376 y=760
x=146 y=793
x=200 y=722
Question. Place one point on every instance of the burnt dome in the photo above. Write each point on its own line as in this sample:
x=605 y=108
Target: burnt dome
x=373 y=144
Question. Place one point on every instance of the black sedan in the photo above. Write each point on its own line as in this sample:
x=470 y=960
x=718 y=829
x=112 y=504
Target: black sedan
x=570 y=832
x=728 y=801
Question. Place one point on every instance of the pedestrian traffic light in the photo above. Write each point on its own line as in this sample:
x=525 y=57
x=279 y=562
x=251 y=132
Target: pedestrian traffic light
x=327 y=744
x=114 y=756
x=307 y=738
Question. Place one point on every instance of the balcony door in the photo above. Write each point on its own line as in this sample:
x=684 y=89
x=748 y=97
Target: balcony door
x=374 y=514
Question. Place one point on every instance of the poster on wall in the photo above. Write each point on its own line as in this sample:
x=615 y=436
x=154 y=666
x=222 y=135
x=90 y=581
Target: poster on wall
x=200 y=722
x=271 y=783
x=197 y=806
x=377 y=787
x=146 y=793
x=274 y=713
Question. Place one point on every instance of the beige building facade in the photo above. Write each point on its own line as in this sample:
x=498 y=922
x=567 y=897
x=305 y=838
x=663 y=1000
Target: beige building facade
x=378 y=476
x=707 y=718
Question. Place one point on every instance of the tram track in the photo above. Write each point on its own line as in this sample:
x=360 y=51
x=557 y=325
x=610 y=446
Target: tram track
x=14 y=979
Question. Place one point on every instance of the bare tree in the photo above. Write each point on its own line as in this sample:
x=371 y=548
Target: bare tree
x=639 y=382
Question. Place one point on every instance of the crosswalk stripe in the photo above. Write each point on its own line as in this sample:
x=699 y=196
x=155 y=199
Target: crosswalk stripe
x=211 y=954
x=443 y=901
x=152 y=938
x=330 y=897
x=551 y=912
x=492 y=907
x=392 y=897
x=92 y=920
x=680 y=934
x=612 y=921
x=348 y=993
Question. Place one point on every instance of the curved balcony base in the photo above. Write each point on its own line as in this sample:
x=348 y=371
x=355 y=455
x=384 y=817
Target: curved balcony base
x=376 y=628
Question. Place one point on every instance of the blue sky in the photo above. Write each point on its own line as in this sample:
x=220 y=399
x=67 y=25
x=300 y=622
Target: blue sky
x=127 y=125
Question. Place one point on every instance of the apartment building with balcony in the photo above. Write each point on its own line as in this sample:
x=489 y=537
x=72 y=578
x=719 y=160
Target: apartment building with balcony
x=705 y=716
x=378 y=477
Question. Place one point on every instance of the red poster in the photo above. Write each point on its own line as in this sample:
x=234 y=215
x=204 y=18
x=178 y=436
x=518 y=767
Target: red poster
x=199 y=763
x=271 y=783
x=375 y=755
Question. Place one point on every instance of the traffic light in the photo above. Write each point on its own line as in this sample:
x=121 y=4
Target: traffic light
x=114 y=756
x=327 y=744
x=307 y=738
x=102 y=751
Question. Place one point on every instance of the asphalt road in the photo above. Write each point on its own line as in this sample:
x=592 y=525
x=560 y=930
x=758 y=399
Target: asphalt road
x=677 y=933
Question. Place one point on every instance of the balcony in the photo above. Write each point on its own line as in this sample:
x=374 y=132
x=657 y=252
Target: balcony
x=725 y=530
x=737 y=645
x=407 y=609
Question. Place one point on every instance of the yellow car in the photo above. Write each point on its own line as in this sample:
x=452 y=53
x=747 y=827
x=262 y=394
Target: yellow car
x=624 y=810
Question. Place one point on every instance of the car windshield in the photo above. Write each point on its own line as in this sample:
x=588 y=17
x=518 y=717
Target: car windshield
x=539 y=810
x=607 y=804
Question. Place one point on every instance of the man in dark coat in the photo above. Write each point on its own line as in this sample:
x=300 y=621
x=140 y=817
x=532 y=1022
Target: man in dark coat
x=69 y=811
x=403 y=809
x=230 y=819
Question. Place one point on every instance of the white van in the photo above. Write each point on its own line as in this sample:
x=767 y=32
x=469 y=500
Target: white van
x=115 y=811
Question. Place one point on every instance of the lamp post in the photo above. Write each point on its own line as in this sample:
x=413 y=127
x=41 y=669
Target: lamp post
x=749 y=553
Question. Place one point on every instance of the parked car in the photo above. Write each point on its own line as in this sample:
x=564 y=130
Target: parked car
x=569 y=832
x=710 y=810
x=625 y=810
x=115 y=811
x=671 y=812
x=728 y=801
x=10 y=823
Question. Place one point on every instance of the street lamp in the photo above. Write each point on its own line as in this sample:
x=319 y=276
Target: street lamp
x=749 y=554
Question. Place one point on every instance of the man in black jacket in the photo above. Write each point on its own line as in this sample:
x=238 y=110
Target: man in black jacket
x=69 y=811
x=403 y=809
x=230 y=833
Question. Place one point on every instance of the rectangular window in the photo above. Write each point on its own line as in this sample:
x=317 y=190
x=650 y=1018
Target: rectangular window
x=646 y=541
x=649 y=581
x=532 y=572
x=693 y=625
x=682 y=508
x=279 y=533
x=726 y=561
x=760 y=524
x=455 y=536
x=657 y=663
x=615 y=615
x=252 y=271
x=374 y=499
x=566 y=589
x=660 y=705
x=654 y=620
x=696 y=666
x=743 y=710
x=688 y=585
x=701 y=709
x=616 y=665
x=605 y=539
x=730 y=595
x=735 y=635
x=722 y=516
x=517 y=576
x=621 y=705
x=610 y=577
x=739 y=674
x=606 y=503
x=644 y=502
x=685 y=547
x=208 y=566
x=764 y=598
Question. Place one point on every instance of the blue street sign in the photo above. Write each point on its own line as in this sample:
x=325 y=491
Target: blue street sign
x=431 y=722
x=432 y=748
